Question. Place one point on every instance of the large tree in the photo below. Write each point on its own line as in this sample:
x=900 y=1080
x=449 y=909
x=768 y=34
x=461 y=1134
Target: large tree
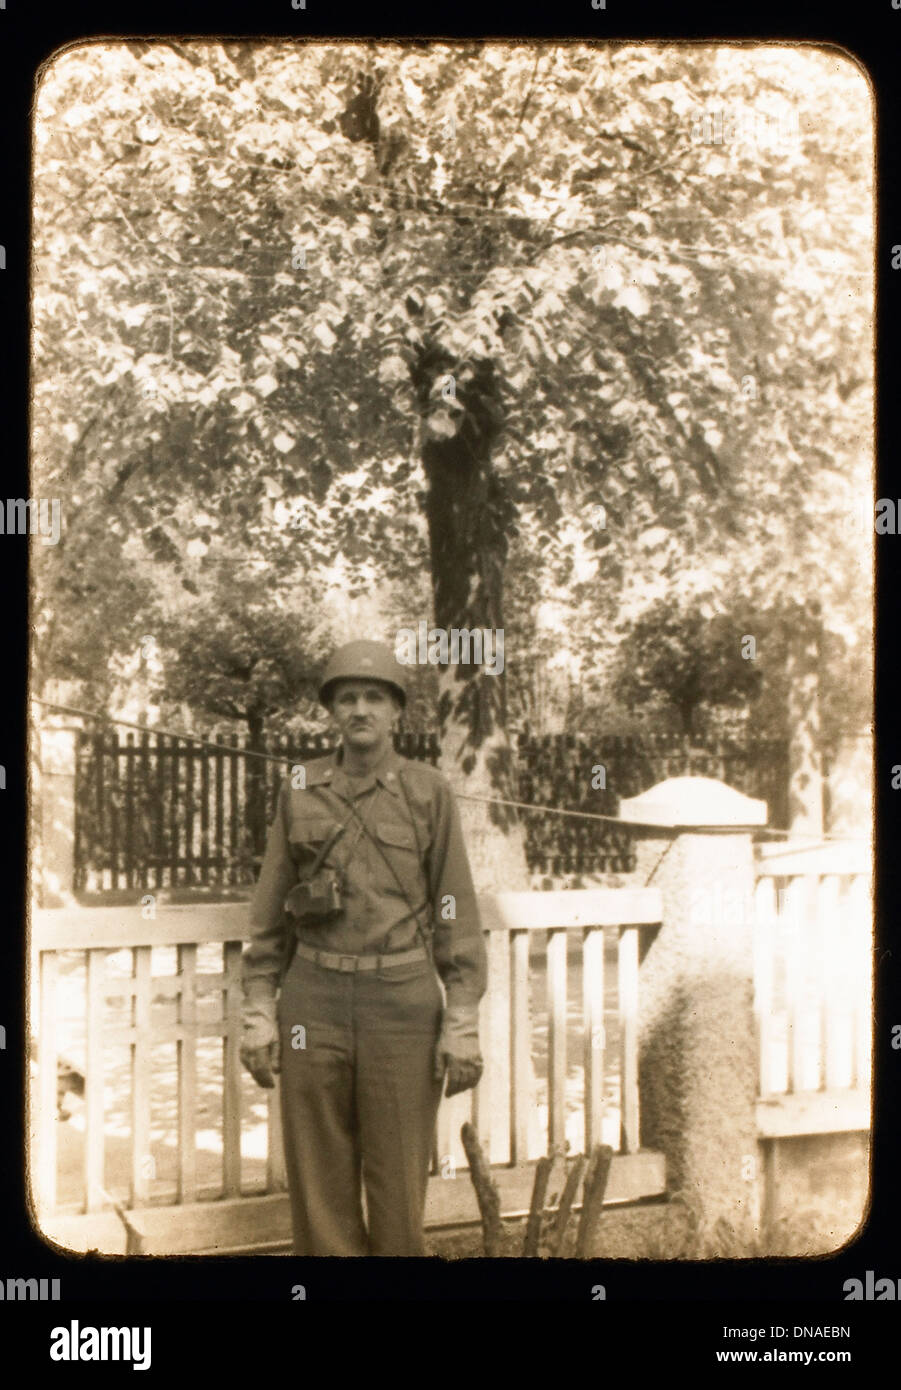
x=404 y=306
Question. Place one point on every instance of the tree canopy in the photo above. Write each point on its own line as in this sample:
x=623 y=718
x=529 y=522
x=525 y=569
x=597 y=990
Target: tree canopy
x=480 y=309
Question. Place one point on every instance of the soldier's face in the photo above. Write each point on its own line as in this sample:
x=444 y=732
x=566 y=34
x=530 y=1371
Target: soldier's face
x=365 y=713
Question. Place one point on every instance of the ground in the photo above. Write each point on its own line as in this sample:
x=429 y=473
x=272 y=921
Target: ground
x=664 y=1231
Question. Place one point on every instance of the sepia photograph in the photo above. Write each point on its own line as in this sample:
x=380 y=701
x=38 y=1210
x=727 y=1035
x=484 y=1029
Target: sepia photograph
x=451 y=649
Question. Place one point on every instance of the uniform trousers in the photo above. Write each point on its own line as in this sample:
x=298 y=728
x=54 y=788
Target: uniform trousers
x=359 y=1103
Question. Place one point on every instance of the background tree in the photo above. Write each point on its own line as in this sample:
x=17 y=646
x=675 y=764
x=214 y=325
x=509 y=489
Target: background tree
x=237 y=656
x=405 y=308
x=677 y=659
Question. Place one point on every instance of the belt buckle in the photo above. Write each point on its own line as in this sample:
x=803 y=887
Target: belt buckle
x=347 y=963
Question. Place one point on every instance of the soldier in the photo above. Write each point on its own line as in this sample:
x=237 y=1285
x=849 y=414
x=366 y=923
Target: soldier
x=364 y=902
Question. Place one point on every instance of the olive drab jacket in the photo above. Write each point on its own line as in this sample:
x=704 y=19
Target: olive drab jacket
x=410 y=809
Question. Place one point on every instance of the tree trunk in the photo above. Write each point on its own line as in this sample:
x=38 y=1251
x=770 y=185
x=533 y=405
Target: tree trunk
x=687 y=711
x=469 y=516
x=805 y=791
x=255 y=783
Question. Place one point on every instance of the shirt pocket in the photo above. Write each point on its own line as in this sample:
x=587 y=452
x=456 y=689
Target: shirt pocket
x=307 y=835
x=399 y=846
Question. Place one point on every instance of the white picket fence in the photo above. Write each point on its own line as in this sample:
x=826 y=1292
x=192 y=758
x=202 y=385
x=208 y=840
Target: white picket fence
x=168 y=1113
x=813 y=986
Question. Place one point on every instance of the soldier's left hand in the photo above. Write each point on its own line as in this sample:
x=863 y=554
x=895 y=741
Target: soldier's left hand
x=263 y=1063
x=462 y=1072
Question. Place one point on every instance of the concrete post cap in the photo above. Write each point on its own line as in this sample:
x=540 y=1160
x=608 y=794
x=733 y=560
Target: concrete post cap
x=693 y=803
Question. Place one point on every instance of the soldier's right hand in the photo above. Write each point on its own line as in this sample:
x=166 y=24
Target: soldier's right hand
x=263 y=1062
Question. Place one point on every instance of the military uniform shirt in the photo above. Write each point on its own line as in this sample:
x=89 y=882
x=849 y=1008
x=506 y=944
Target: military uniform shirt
x=429 y=871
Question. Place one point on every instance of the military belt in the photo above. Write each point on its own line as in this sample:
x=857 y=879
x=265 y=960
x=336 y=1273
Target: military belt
x=332 y=960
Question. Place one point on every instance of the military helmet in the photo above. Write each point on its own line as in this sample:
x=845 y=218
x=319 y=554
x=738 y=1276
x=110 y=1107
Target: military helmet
x=363 y=660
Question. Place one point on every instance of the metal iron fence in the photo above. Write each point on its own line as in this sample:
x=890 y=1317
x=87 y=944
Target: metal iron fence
x=157 y=811
x=579 y=773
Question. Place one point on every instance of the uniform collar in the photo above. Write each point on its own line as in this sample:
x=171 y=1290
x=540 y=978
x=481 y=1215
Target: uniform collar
x=329 y=772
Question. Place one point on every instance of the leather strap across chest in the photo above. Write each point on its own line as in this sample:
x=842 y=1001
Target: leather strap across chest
x=356 y=815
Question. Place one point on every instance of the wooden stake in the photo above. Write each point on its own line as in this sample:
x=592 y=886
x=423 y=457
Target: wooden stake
x=568 y=1196
x=539 y=1192
x=486 y=1191
x=593 y=1197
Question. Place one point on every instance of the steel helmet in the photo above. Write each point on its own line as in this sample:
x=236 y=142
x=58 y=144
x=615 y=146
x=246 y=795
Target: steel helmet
x=363 y=660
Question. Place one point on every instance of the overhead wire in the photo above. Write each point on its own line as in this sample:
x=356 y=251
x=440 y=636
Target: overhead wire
x=461 y=795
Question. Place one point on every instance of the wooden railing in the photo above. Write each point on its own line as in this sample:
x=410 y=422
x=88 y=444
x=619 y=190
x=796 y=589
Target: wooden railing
x=813 y=993
x=563 y=936
x=516 y=1113
x=96 y=933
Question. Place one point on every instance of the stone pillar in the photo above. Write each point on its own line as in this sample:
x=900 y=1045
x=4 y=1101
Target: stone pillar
x=698 y=1065
x=57 y=797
